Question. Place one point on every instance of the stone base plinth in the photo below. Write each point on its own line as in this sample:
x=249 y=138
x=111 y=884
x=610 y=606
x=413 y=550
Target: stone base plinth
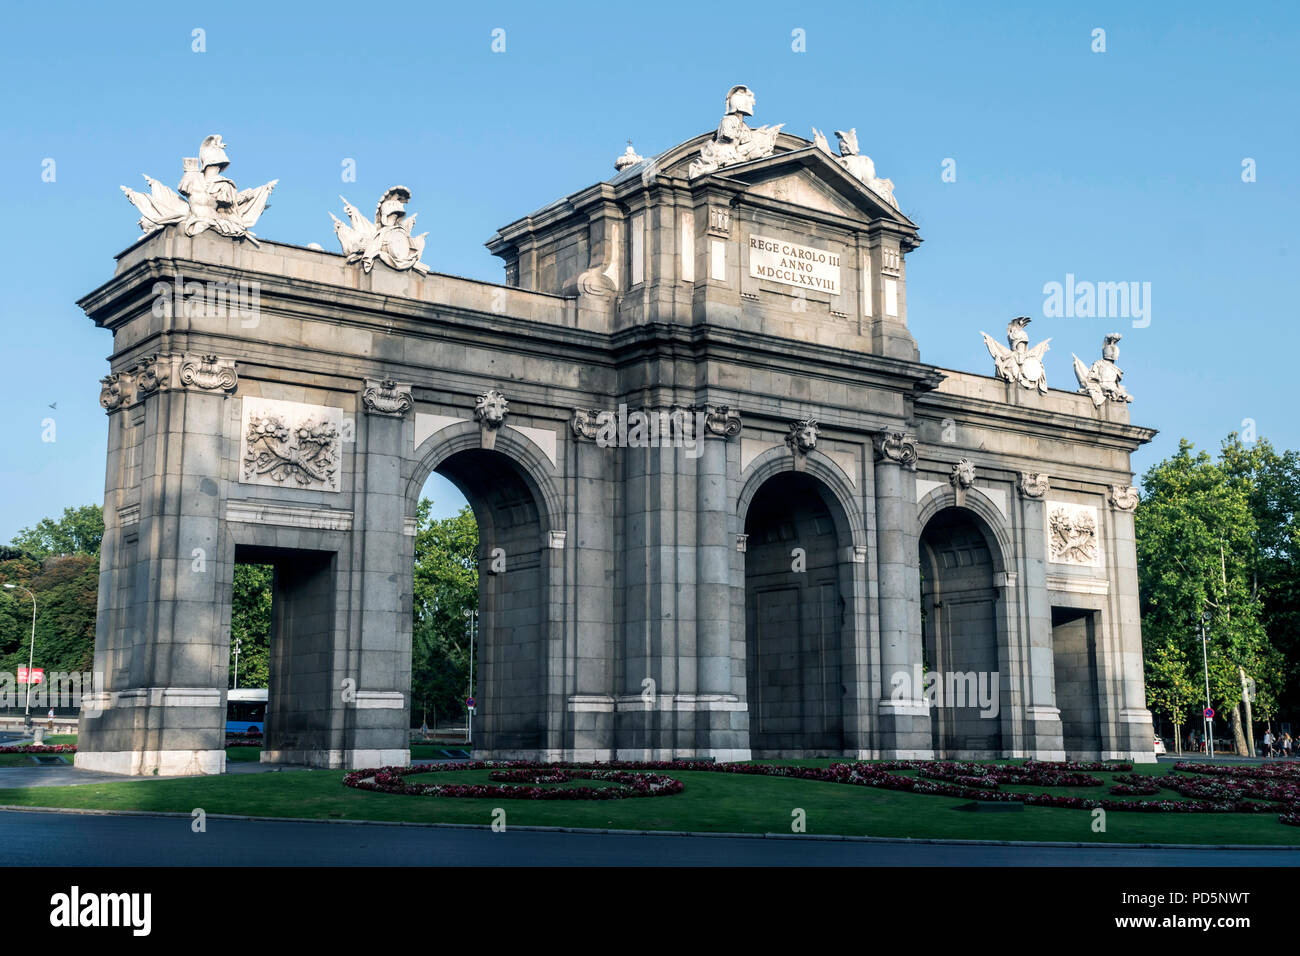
x=160 y=763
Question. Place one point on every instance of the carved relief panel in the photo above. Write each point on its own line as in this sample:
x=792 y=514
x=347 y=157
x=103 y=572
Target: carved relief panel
x=290 y=444
x=1073 y=534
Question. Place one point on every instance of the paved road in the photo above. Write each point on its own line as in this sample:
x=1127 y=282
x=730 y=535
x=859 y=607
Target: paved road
x=57 y=839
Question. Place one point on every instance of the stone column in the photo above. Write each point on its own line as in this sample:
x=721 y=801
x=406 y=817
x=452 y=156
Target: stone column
x=379 y=716
x=718 y=732
x=1134 y=731
x=904 y=731
x=167 y=654
x=1043 y=738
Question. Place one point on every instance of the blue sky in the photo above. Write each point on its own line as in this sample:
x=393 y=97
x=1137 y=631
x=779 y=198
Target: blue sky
x=1117 y=166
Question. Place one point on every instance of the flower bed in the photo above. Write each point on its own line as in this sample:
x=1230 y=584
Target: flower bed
x=1247 y=790
x=243 y=742
x=524 y=777
x=40 y=749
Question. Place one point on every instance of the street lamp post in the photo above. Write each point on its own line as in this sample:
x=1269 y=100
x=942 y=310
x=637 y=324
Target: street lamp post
x=472 y=614
x=238 y=643
x=31 y=656
x=1205 y=661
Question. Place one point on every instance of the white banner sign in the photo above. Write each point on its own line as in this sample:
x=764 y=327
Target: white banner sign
x=779 y=261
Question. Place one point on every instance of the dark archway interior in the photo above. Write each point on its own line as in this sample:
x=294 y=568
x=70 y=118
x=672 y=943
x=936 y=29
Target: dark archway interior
x=795 y=614
x=958 y=600
x=300 y=689
x=1074 y=662
x=510 y=672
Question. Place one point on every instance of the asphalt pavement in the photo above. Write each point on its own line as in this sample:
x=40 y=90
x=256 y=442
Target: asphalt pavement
x=35 y=838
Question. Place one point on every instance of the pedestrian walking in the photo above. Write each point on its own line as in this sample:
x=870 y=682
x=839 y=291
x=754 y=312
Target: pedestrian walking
x=1268 y=744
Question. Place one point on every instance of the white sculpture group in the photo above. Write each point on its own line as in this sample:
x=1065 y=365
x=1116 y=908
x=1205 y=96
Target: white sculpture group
x=734 y=141
x=204 y=198
x=858 y=165
x=387 y=239
x=1024 y=366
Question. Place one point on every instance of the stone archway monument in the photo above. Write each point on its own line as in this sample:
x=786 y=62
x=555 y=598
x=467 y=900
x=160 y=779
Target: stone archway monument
x=717 y=329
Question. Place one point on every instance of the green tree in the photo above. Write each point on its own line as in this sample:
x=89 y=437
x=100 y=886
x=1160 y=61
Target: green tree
x=1196 y=544
x=250 y=624
x=1271 y=482
x=1171 y=691
x=58 y=561
x=445 y=595
x=66 y=590
x=79 y=531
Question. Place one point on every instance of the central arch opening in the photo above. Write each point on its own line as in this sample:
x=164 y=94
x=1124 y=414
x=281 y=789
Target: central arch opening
x=960 y=636
x=481 y=581
x=795 y=615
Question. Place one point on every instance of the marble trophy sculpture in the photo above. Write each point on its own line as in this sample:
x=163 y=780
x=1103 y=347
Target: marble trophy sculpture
x=859 y=165
x=387 y=239
x=735 y=142
x=1019 y=363
x=1101 y=382
x=204 y=199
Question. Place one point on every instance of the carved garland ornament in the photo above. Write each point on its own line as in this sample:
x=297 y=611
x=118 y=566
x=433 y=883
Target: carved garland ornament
x=1033 y=484
x=387 y=397
x=897 y=447
x=147 y=377
x=1123 y=497
x=209 y=373
x=115 y=391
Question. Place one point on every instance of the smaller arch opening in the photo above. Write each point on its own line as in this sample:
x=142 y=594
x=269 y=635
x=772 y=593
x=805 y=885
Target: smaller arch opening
x=960 y=635
x=796 y=590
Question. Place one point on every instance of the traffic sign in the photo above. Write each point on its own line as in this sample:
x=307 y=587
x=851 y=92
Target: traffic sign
x=1208 y=712
x=469 y=702
x=36 y=676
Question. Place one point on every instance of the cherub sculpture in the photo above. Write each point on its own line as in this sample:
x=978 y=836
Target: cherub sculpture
x=205 y=199
x=1101 y=382
x=1019 y=363
x=387 y=239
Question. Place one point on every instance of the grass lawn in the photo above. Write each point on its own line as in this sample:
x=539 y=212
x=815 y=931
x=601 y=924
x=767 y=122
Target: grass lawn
x=25 y=760
x=710 y=802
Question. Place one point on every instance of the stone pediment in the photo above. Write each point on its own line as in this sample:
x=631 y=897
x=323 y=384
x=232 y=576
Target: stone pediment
x=811 y=178
x=798 y=173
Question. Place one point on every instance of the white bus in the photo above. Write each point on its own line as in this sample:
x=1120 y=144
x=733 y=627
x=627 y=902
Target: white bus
x=246 y=710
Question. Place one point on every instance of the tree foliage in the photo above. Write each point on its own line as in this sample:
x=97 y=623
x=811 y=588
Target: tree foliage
x=446 y=597
x=250 y=624
x=66 y=590
x=78 y=531
x=1199 y=532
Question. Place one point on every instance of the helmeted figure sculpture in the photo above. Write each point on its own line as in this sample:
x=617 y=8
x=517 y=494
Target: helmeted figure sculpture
x=204 y=199
x=1019 y=363
x=735 y=142
x=857 y=163
x=1101 y=382
x=387 y=239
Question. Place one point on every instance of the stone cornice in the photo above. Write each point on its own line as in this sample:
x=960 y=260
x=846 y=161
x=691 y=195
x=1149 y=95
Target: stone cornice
x=1032 y=420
